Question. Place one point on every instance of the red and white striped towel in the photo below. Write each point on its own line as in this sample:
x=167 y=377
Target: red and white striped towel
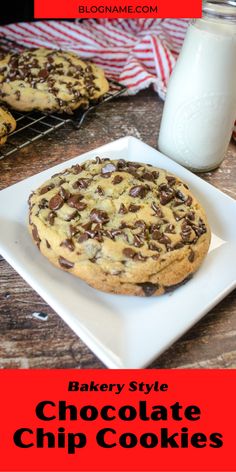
x=136 y=52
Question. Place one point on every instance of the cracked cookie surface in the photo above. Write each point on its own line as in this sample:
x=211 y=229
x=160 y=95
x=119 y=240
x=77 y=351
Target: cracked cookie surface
x=123 y=227
x=50 y=81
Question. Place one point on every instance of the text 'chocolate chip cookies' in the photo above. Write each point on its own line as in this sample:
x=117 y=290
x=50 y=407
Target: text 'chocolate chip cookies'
x=50 y=81
x=123 y=227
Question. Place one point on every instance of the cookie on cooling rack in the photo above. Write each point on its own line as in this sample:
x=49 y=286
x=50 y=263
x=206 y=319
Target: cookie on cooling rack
x=49 y=81
x=7 y=124
x=123 y=227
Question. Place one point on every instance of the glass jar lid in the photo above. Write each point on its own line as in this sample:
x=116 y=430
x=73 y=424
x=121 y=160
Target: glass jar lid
x=224 y=9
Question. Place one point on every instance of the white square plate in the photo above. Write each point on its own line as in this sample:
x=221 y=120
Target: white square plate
x=124 y=332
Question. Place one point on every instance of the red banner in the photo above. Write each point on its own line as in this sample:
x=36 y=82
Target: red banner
x=117 y=9
x=141 y=420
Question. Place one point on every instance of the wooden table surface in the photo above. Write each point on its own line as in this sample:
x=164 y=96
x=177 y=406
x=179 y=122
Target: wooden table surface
x=27 y=342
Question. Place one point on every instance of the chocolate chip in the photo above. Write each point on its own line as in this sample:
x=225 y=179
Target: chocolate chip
x=73 y=230
x=163 y=239
x=153 y=247
x=177 y=216
x=170 y=288
x=69 y=244
x=148 y=176
x=51 y=217
x=180 y=196
x=185 y=226
x=190 y=216
x=117 y=179
x=124 y=225
x=43 y=204
x=166 y=195
x=134 y=173
x=56 y=202
x=108 y=234
x=72 y=216
x=178 y=245
x=75 y=202
x=199 y=230
x=100 y=191
x=58 y=174
x=65 y=194
x=81 y=183
x=112 y=233
x=155 y=235
x=157 y=209
x=93 y=260
x=98 y=216
x=155 y=173
x=83 y=237
x=46 y=189
x=177 y=202
x=185 y=237
x=65 y=263
x=91 y=233
x=191 y=256
x=137 y=242
x=139 y=257
x=202 y=225
x=122 y=210
x=115 y=232
x=186 y=231
x=134 y=208
x=170 y=228
x=77 y=169
x=108 y=168
x=170 y=179
x=140 y=224
x=189 y=201
x=35 y=234
x=88 y=225
x=128 y=252
x=43 y=73
x=47 y=244
x=121 y=164
x=139 y=191
x=137 y=165
x=99 y=238
x=148 y=288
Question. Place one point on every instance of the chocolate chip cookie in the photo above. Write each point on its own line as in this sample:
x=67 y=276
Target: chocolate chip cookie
x=123 y=227
x=7 y=124
x=49 y=80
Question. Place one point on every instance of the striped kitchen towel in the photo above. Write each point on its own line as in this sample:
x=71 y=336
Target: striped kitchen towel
x=136 y=52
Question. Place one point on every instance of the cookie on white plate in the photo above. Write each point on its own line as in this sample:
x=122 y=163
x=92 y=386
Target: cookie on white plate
x=123 y=227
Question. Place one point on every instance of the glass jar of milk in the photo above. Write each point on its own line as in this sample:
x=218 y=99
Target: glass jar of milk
x=200 y=107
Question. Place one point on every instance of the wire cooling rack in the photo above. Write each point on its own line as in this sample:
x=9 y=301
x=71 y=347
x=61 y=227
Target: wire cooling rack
x=35 y=125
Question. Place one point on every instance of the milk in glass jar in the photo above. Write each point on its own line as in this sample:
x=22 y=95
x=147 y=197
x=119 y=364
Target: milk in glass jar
x=200 y=107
